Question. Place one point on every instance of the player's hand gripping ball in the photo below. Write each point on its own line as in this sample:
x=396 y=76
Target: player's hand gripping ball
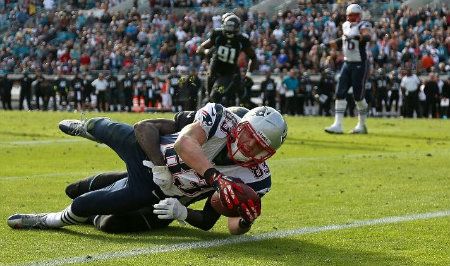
x=249 y=206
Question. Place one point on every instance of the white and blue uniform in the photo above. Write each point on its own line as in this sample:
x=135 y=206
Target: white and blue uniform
x=217 y=122
x=356 y=66
x=138 y=190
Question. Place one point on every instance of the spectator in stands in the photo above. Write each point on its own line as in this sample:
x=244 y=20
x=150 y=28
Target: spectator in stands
x=129 y=41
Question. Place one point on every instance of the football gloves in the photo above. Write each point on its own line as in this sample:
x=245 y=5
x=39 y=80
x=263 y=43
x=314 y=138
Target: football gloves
x=170 y=209
x=225 y=185
x=161 y=177
x=249 y=211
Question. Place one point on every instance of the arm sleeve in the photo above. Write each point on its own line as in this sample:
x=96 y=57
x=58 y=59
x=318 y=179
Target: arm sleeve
x=204 y=219
x=247 y=48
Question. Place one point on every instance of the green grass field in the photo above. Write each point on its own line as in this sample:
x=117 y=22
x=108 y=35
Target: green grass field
x=401 y=168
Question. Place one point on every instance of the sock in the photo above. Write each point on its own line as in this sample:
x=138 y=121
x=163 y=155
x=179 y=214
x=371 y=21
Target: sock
x=340 y=106
x=362 y=112
x=63 y=218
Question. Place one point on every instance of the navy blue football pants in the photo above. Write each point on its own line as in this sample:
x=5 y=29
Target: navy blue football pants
x=353 y=74
x=127 y=194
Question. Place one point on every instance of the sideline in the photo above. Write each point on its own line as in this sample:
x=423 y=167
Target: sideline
x=239 y=239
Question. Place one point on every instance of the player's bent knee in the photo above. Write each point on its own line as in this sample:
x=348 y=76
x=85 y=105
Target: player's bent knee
x=72 y=190
x=108 y=224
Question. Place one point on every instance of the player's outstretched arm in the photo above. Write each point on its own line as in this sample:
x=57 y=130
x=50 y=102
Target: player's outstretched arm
x=236 y=226
x=252 y=62
x=205 y=46
x=204 y=219
x=189 y=148
x=249 y=212
x=333 y=44
x=147 y=134
x=172 y=209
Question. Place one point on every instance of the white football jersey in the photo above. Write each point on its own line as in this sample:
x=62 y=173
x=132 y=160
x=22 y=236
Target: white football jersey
x=354 y=50
x=217 y=122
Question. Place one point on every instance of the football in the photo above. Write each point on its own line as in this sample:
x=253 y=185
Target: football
x=246 y=194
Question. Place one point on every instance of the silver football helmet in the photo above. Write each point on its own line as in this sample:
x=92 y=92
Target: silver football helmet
x=257 y=136
x=353 y=13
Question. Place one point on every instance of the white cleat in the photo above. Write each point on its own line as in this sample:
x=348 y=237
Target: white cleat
x=74 y=127
x=334 y=129
x=27 y=221
x=359 y=130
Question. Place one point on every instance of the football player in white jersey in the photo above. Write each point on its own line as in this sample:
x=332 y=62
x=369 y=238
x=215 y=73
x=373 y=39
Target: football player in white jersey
x=204 y=157
x=356 y=35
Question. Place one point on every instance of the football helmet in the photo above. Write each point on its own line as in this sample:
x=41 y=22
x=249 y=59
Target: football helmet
x=353 y=13
x=257 y=136
x=224 y=16
x=231 y=25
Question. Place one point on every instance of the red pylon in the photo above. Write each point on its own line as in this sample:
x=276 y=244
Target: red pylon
x=135 y=107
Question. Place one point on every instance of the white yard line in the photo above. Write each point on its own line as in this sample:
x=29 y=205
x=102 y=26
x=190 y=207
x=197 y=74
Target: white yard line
x=39 y=142
x=239 y=239
x=62 y=174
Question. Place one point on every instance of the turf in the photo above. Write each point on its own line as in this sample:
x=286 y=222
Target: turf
x=400 y=168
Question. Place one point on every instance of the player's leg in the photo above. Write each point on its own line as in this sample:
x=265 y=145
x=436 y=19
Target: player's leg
x=340 y=103
x=141 y=220
x=359 y=77
x=92 y=183
x=210 y=80
x=125 y=195
x=118 y=136
x=119 y=197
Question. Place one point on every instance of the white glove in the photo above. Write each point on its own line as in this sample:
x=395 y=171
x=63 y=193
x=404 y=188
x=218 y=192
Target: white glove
x=162 y=177
x=170 y=209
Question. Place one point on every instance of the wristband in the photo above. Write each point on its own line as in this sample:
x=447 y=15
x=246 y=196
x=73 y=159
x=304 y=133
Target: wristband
x=210 y=175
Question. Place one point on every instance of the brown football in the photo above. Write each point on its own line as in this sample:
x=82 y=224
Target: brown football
x=246 y=194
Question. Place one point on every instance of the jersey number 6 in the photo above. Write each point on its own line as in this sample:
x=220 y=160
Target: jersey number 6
x=350 y=45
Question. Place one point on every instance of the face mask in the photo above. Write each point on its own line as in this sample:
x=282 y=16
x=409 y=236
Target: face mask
x=237 y=154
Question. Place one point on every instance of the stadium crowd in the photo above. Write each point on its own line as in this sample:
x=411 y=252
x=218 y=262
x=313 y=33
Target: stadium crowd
x=56 y=54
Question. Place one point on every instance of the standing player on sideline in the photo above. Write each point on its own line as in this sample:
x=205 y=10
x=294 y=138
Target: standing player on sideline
x=356 y=35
